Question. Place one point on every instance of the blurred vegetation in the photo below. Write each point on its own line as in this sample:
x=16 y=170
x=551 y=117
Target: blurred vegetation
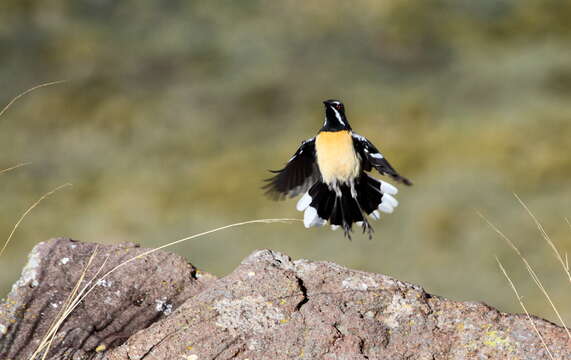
x=174 y=111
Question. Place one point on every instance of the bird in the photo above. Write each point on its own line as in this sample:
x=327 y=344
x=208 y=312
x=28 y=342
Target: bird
x=331 y=170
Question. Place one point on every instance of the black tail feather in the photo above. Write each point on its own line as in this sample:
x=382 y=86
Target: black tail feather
x=323 y=200
x=368 y=195
x=343 y=208
x=337 y=213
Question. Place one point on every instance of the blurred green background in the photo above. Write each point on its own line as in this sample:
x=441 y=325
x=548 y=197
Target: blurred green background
x=173 y=111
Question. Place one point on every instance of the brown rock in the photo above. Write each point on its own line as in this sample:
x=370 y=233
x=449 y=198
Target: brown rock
x=273 y=308
x=128 y=300
x=270 y=307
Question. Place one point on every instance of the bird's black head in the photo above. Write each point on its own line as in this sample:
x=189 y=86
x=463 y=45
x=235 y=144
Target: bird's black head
x=335 y=119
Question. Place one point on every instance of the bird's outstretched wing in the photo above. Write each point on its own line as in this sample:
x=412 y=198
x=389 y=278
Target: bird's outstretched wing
x=297 y=176
x=372 y=158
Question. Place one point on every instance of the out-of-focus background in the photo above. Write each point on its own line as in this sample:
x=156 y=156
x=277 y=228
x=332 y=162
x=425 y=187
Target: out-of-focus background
x=173 y=111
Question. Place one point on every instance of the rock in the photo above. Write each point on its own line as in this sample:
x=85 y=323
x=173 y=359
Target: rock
x=128 y=300
x=271 y=307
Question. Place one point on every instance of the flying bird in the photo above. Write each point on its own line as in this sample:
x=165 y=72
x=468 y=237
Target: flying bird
x=331 y=170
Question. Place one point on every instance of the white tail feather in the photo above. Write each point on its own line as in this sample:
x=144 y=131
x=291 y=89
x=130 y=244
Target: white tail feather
x=310 y=218
x=387 y=188
x=304 y=202
x=386 y=208
x=391 y=200
x=376 y=215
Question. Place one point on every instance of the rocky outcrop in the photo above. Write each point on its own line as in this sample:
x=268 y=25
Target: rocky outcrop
x=132 y=298
x=270 y=307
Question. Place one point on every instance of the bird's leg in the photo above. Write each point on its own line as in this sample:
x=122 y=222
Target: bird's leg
x=347 y=231
x=368 y=228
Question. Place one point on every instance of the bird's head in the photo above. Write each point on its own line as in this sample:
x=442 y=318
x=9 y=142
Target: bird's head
x=335 y=118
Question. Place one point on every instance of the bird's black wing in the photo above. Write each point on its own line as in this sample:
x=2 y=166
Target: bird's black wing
x=372 y=158
x=297 y=176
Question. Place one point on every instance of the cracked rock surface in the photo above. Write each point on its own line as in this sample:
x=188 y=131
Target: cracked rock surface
x=128 y=300
x=271 y=307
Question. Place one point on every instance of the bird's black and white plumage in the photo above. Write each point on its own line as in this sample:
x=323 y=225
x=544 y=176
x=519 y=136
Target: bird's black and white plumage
x=330 y=170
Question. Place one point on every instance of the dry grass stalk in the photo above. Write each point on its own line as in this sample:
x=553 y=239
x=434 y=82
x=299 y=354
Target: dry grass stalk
x=531 y=272
x=17 y=97
x=46 y=195
x=14 y=167
x=140 y=256
x=76 y=297
x=519 y=299
x=69 y=305
x=563 y=261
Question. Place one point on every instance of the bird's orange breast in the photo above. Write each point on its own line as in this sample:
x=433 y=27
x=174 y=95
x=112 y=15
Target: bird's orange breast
x=336 y=157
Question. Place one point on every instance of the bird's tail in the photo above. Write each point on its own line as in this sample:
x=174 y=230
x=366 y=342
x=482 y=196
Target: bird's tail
x=343 y=207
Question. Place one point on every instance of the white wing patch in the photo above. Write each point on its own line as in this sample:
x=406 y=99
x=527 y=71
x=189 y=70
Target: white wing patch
x=300 y=149
x=360 y=137
x=368 y=150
